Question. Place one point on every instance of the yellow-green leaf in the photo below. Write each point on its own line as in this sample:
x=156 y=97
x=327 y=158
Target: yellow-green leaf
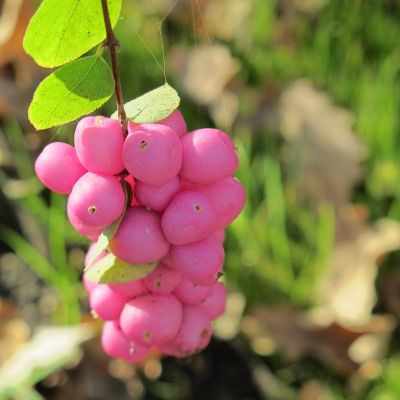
x=63 y=30
x=110 y=270
x=73 y=90
x=152 y=106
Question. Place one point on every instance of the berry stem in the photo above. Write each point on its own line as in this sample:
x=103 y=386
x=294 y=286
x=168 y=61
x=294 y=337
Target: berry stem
x=113 y=43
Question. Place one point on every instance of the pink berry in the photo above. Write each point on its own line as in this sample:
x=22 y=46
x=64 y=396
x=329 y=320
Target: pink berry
x=190 y=217
x=193 y=336
x=199 y=262
x=208 y=155
x=162 y=280
x=152 y=319
x=139 y=239
x=106 y=303
x=167 y=261
x=157 y=197
x=228 y=197
x=58 y=168
x=89 y=285
x=98 y=144
x=214 y=305
x=88 y=231
x=190 y=293
x=96 y=200
x=116 y=344
x=129 y=289
x=176 y=122
x=152 y=153
x=220 y=235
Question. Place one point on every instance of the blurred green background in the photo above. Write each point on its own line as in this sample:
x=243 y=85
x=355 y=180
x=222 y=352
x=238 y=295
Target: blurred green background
x=309 y=90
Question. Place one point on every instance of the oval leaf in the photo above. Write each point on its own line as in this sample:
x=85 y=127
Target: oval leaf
x=62 y=30
x=152 y=106
x=112 y=270
x=73 y=90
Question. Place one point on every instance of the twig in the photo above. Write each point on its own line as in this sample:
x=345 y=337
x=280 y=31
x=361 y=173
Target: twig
x=113 y=43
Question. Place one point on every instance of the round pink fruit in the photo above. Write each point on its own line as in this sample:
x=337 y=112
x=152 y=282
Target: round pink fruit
x=193 y=336
x=98 y=144
x=129 y=289
x=105 y=303
x=116 y=344
x=200 y=261
x=85 y=230
x=157 y=197
x=176 y=122
x=214 y=305
x=162 y=280
x=58 y=167
x=152 y=319
x=190 y=293
x=208 y=155
x=152 y=153
x=190 y=217
x=139 y=239
x=228 y=197
x=220 y=235
x=96 y=200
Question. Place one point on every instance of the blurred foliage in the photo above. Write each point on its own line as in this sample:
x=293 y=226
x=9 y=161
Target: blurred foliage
x=317 y=198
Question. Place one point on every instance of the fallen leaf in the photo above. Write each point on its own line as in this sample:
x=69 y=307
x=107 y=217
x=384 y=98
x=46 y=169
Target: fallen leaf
x=347 y=292
x=323 y=155
x=204 y=71
x=13 y=330
x=224 y=110
x=314 y=390
x=297 y=335
x=229 y=19
x=49 y=349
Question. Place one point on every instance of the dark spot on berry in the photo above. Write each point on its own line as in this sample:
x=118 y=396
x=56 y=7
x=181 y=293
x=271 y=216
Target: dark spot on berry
x=219 y=274
x=147 y=336
x=197 y=207
x=92 y=210
x=204 y=334
x=143 y=144
x=158 y=284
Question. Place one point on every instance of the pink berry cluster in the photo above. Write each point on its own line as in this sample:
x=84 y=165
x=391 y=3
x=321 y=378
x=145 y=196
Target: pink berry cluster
x=182 y=196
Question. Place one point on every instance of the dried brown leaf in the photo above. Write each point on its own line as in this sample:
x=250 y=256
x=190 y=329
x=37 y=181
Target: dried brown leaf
x=347 y=293
x=298 y=335
x=323 y=154
x=204 y=71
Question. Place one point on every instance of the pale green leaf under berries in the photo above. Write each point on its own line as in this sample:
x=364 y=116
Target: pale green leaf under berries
x=106 y=236
x=152 y=106
x=110 y=270
x=73 y=90
x=63 y=30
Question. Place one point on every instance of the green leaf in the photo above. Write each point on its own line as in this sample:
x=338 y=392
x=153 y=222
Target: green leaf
x=152 y=106
x=73 y=90
x=105 y=237
x=62 y=30
x=112 y=270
